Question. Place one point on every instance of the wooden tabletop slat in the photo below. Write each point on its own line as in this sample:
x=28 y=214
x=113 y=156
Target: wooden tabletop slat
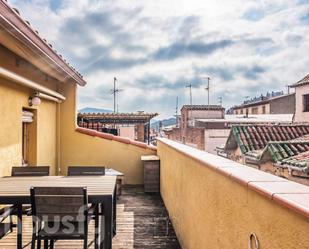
x=19 y=187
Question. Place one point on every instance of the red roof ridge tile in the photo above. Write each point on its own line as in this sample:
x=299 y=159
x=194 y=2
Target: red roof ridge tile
x=108 y=136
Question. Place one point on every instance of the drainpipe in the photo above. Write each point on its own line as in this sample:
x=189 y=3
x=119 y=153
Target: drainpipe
x=58 y=140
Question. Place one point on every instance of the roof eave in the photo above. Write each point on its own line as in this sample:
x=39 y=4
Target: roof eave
x=23 y=32
x=299 y=84
x=302 y=82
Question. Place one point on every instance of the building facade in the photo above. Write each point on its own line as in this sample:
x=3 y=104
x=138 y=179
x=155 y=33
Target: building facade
x=302 y=100
x=188 y=133
x=269 y=104
x=211 y=129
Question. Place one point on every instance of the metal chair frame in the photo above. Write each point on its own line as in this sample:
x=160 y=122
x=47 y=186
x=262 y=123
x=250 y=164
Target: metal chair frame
x=43 y=212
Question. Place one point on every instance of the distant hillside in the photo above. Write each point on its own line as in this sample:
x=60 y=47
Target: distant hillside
x=94 y=110
x=165 y=122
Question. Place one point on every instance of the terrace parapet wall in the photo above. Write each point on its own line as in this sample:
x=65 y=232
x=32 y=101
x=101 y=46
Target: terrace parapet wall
x=214 y=202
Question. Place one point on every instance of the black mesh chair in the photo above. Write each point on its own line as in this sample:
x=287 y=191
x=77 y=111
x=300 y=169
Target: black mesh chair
x=86 y=171
x=94 y=210
x=6 y=214
x=37 y=171
x=59 y=213
x=30 y=171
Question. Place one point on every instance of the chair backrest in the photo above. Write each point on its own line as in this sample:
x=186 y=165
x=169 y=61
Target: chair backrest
x=86 y=171
x=56 y=203
x=30 y=171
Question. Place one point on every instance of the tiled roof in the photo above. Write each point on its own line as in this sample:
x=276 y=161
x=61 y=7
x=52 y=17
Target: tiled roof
x=141 y=115
x=256 y=137
x=203 y=107
x=299 y=162
x=281 y=151
x=285 y=154
x=303 y=81
x=304 y=138
x=114 y=138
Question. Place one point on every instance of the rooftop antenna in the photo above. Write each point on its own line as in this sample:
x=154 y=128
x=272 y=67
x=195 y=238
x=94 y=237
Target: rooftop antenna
x=207 y=89
x=114 y=91
x=288 y=88
x=176 y=111
x=190 y=86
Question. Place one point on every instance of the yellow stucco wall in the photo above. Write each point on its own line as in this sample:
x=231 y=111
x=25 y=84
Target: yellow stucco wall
x=209 y=210
x=80 y=149
x=55 y=130
x=13 y=98
x=46 y=135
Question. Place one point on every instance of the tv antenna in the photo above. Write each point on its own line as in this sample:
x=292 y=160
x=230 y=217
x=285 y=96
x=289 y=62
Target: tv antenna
x=207 y=88
x=190 y=87
x=288 y=88
x=176 y=113
x=114 y=92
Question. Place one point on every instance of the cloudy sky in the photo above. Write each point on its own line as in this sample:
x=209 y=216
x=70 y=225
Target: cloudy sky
x=157 y=47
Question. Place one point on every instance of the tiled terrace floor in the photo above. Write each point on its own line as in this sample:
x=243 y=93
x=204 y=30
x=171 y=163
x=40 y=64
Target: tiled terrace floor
x=141 y=224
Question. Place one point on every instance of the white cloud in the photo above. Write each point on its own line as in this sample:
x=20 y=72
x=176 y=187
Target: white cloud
x=248 y=47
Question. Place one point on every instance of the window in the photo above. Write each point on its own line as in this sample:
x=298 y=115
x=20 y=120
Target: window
x=264 y=109
x=254 y=110
x=241 y=111
x=306 y=103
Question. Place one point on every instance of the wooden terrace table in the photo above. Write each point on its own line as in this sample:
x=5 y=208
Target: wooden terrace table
x=101 y=191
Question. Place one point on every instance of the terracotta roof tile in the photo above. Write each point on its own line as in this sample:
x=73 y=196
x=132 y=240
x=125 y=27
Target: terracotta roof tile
x=304 y=138
x=255 y=137
x=115 y=138
x=298 y=162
